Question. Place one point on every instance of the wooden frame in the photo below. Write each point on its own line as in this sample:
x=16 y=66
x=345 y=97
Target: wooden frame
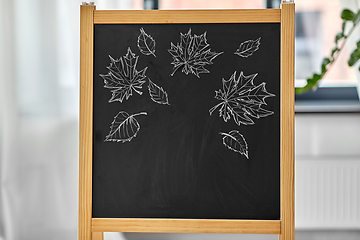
x=188 y=16
x=92 y=228
x=287 y=121
x=86 y=118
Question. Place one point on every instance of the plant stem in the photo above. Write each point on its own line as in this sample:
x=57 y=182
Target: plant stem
x=340 y=48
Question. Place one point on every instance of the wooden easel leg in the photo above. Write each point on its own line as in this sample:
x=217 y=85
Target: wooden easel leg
x=97 y=236
x=85 y=130
x=287 y=221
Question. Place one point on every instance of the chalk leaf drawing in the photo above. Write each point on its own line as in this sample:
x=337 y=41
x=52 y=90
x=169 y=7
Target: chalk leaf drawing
x=192 y=54
x=241 y=99
x=236 y=142
x=123 y=77
x=157 y=94
x=124 y=127
x=146 y=43
x=247 y=48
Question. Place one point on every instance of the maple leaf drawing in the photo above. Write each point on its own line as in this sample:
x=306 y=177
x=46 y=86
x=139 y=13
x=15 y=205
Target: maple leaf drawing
x=192 y=54
x=123 y=78
x=241 y=99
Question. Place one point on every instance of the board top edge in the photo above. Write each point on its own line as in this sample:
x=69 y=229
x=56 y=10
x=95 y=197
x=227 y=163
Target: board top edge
x=188 y=16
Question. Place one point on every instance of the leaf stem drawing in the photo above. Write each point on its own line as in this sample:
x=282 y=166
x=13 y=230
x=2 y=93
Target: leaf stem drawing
x=235 y=142
x=247 y=48
x=157 y=94
x=138 y=114
x=146 y=43
x=123 y=78
x=124 y=127
x=192 y=54
x=241 y=99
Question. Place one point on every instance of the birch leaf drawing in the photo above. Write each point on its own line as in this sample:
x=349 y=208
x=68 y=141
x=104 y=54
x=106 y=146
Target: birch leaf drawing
x=192 y=54
x=242 y=99
x=146 y=43
x=247 y=48
x=124 y=127
x=123 y=78
x=235 y=142
x=157 y=94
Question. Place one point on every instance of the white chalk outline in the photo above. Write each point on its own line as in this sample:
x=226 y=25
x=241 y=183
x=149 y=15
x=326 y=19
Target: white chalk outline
x=192 y=54
x=142 y=39
x=127 y=128
x=233 y=140
x=157 y=94
x=123 y=77
x=242 y=99
x=247 y=48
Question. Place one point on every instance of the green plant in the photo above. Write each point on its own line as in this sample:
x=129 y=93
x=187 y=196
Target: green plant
x=340 y=40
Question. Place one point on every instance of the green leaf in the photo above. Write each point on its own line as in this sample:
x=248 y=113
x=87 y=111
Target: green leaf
x=333 y=51
x=352 y=61
x=311 y=83
x=316 y=77
x=354 y=57
x=323 y=68
x=338 y=37
x=325 y=62
x=298 y=90
x=303 y=89
x=358 y=44
x=347 y=15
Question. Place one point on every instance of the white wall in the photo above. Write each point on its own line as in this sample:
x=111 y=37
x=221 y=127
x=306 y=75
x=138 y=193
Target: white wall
x=327 y=185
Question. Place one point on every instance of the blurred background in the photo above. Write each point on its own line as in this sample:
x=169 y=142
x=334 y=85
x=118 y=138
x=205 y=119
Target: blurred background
x=39 y=104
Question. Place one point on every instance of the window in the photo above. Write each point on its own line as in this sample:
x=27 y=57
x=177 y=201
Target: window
x=308 y=43
x=317 y=23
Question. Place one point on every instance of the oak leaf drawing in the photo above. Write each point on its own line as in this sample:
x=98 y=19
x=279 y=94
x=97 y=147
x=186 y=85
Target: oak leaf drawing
x=242 y=99
x=192 y=54
x=123 y=78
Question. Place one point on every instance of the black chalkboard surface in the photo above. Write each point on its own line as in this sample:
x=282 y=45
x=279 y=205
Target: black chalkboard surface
x=158 y=152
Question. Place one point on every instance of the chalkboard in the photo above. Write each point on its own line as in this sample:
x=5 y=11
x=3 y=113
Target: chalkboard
x=186 y=121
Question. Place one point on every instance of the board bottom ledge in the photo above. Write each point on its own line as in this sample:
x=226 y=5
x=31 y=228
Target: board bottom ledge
x=185 y=225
